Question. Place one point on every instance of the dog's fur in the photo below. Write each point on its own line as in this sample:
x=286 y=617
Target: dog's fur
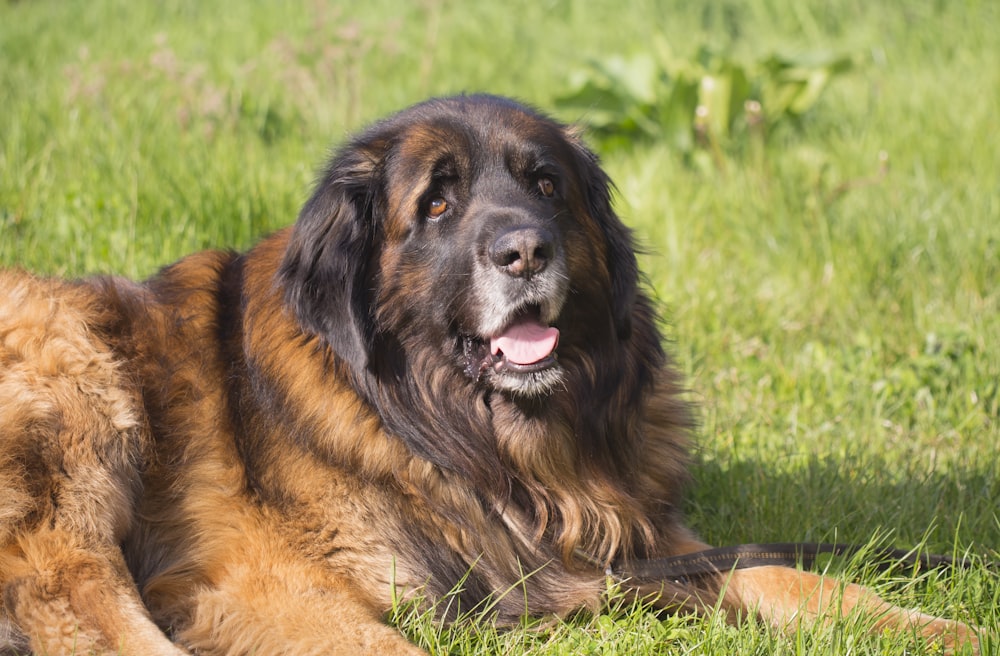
x=256 y=453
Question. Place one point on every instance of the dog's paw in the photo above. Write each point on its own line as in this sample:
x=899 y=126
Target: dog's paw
x=955 y=637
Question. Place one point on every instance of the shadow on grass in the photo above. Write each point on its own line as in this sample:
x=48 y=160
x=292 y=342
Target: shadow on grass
x=846 y=499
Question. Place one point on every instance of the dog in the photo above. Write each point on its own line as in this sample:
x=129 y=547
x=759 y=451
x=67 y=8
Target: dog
x=443 y=382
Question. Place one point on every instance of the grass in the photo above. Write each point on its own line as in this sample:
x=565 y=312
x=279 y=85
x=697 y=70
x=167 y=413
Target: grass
x=839 y=325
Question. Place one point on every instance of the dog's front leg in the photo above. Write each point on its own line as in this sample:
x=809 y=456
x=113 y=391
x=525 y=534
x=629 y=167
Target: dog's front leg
x=269 y=605
x=785 y=597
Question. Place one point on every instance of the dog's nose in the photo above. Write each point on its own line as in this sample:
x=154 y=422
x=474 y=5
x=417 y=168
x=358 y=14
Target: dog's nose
x=522 y=252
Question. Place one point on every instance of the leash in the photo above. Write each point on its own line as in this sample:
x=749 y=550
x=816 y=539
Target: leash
x=783 y=554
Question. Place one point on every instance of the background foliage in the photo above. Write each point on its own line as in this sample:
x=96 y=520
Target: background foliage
x=828 y=266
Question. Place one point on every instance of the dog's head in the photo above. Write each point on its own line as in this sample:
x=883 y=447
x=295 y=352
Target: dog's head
x=462 y=261
x=471 y=226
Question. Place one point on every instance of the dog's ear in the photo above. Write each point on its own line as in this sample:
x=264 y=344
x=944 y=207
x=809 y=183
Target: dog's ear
x=326 y=269
x=622 y=265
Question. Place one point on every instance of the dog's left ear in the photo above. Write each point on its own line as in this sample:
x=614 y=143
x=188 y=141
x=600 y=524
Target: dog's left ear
x=326 y=269
x=622 y=265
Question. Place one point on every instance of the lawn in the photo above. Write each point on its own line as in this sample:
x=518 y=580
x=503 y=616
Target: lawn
x=830 y=283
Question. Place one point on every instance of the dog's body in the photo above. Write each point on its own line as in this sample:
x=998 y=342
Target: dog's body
x=266 y=449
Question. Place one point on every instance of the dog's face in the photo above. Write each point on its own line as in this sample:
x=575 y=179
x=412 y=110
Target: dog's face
x=471 y=230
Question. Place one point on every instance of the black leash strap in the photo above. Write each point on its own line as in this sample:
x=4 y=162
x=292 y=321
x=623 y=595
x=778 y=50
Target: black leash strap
x=783 y=554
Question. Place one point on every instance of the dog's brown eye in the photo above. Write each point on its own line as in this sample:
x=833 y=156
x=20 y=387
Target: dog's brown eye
x=436 y=208
x=547 y=187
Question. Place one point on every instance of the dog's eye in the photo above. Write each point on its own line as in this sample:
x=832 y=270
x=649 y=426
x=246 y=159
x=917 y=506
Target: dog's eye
x=436 y=207
x=547 y=187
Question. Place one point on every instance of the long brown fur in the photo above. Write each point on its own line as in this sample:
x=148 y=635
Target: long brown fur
x=257 y=453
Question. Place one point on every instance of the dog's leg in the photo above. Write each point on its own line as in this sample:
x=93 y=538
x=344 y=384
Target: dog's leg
x=267 y=603
x=784 y=597
x=72 y=440
x=70 y=598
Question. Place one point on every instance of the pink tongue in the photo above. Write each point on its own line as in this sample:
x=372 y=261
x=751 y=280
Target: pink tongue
x=526 y=342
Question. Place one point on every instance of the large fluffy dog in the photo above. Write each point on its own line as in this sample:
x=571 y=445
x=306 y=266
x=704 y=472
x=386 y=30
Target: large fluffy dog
x=444 y=373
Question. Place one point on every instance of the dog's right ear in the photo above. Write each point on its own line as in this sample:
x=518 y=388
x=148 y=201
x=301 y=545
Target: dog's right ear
x=326 y=269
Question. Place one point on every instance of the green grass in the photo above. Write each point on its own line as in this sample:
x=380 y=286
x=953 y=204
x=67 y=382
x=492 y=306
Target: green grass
x=840 y=328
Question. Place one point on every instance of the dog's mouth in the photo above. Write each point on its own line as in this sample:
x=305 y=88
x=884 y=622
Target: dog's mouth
x=521 y=357
x=526 y=345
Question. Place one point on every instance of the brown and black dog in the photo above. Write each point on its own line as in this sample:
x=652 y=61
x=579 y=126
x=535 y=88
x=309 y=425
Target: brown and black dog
x=446 y=371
